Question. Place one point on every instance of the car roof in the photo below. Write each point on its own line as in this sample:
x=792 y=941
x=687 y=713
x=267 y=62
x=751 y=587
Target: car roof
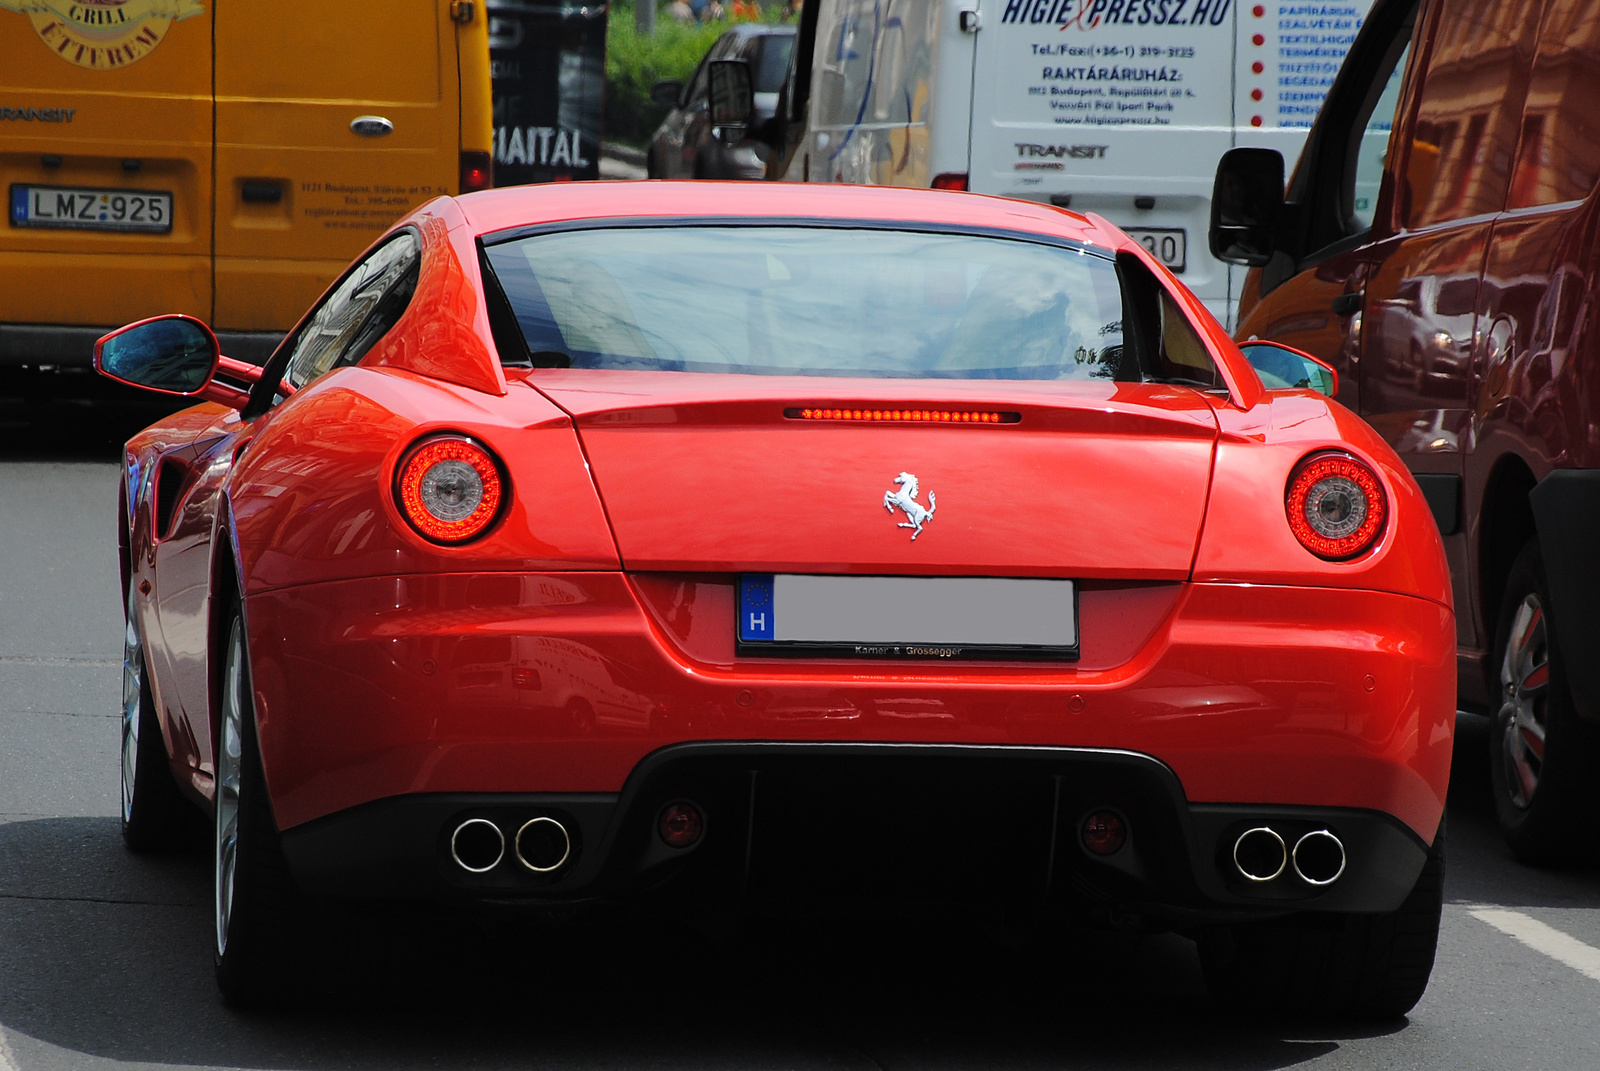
x=515 y=207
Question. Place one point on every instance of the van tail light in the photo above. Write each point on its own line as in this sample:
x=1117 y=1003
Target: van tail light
x=450 y=489
x=950 y=180
x=1336 y=505
x=477 y=171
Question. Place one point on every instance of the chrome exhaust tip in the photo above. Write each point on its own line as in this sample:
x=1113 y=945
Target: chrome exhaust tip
x=477 y=845
x=1318 y=857
x=1260 y=854
x=542 y=845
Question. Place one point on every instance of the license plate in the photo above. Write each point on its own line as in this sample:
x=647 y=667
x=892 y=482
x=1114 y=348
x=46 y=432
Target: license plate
x=1169 y=245
x=956 y=617
x=82 y=208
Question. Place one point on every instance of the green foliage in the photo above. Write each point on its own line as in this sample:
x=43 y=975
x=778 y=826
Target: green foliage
x=634 y=64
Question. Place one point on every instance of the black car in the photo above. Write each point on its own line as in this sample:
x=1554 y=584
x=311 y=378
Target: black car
x=683 y=146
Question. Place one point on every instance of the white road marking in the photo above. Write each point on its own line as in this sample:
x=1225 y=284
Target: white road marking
x=7 y=1061
x=1582 y=958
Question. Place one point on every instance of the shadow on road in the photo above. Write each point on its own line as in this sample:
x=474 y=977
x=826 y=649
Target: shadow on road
x=108 y=955
x=72 y=415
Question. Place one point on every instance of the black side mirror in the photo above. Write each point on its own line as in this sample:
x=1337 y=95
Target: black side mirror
x=666 y=93
x=732 y=98
x=170 y=354
x=1281 y=366
x=1245 y=204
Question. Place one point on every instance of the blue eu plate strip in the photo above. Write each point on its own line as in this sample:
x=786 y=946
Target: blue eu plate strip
x=756 y=619
x=19 y=203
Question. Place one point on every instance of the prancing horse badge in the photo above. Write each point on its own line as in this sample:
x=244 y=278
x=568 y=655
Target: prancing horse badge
x=905 y=499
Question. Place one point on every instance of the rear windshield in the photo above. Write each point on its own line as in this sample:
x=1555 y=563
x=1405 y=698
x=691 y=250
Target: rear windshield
x=785 y=300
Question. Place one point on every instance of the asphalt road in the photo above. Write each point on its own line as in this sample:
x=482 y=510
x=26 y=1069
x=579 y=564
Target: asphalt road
x=104 y=957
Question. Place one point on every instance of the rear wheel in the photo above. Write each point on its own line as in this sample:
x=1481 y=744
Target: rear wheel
x=258 y=909
x=1543 y=760
x=1329 y=965
x=155 y=816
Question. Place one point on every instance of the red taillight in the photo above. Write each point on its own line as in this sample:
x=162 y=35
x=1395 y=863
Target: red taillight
x=450 y=489
x=477 y=171
x=1335 y=505
x=950 y=181
x=925 y=416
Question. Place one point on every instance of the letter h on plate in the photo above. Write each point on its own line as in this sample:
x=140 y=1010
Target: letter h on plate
x=756 y=617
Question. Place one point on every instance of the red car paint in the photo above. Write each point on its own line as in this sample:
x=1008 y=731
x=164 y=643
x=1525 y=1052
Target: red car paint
x=593 y=625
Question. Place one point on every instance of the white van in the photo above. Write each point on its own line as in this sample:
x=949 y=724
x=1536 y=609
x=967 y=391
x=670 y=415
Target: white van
x=1120 y=107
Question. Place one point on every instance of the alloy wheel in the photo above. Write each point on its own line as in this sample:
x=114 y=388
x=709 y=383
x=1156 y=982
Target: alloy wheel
x=1524 y=687
x=132 y=701
x=229 y=761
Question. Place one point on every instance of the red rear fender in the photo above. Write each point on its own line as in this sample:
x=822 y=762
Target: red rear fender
x=313 y=496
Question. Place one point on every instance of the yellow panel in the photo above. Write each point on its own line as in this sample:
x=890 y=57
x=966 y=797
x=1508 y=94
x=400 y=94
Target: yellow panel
x=283 y=120
x=356 y=50
x=100 y=289
x=270 y=294
x=119 y=99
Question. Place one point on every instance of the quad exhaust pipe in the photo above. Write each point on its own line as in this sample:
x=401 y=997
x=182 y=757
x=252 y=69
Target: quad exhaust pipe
x=541 y=844
x=1261 y=855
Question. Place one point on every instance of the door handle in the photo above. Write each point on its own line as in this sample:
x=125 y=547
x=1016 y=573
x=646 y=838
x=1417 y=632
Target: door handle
x=1347 y=304
x=371 y=126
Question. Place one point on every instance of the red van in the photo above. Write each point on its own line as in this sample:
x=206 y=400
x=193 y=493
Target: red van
x=1449 y=272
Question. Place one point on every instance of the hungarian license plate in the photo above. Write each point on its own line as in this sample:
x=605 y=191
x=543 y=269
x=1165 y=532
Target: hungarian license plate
x=1169 y=245
x=81 y=208
x=954 y=617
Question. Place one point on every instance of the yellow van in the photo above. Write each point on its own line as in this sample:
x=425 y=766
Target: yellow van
x=223 y=158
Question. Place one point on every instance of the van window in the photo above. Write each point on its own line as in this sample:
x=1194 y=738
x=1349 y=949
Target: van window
x=1470 y=113
x=772 y=61
x=1373 y=149
x=1559 y=155
x=358 y=312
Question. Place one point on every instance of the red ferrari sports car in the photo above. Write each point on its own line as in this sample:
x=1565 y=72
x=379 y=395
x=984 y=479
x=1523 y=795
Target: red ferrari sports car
x=743 y=547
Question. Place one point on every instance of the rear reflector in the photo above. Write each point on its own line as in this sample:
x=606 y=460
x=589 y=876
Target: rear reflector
x=902 y=416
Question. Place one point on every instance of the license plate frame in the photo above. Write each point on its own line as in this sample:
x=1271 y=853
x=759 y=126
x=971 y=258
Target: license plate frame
x=32 y=206
x=907 y=618
x=1156 y=245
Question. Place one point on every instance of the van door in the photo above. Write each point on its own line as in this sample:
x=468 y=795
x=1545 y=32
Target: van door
x=105 y=157
x=333 y=120
x=1452 y=176
x=1111 y=106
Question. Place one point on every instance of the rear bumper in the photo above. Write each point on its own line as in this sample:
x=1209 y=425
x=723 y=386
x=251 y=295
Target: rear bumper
x=819 y=825
x=563 y=685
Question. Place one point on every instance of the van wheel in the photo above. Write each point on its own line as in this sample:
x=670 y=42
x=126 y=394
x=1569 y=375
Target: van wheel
x=1543 y=760
x=258 y=909
x=155 y=816
x=1325 y=965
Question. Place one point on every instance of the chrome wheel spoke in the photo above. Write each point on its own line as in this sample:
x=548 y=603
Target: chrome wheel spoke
x=1524 y=682
x=132 y=697
x=1532 y=733
x=229 y=760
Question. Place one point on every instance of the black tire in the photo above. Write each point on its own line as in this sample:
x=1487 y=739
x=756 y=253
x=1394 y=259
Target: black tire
x=258 y=911
x=155 y=816
x=1546 y=795
x=1325 y=965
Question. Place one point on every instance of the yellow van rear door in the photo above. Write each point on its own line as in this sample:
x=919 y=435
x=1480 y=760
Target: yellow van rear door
x=105 y=162
x=333 y=120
